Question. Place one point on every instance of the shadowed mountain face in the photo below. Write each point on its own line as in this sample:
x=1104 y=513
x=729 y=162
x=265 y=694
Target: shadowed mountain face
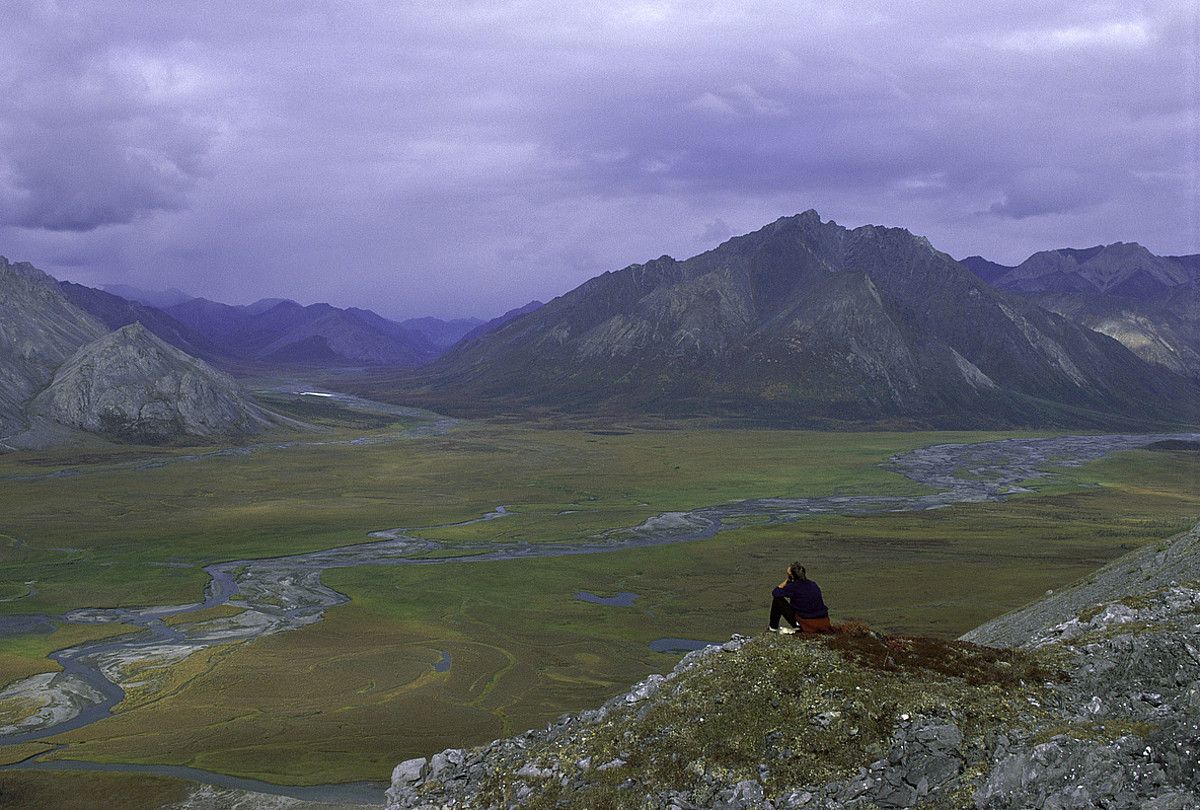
x=806 y=320
x=441 y=333
x=987 y=270
x=1149 y=303
x=286 y=333
x=499 y=321
x=115 y=311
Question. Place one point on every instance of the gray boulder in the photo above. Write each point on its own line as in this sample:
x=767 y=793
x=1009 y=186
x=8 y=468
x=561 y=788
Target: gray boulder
x=410 y=770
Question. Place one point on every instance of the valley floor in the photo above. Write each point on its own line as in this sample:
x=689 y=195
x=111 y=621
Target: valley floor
x=425 y=657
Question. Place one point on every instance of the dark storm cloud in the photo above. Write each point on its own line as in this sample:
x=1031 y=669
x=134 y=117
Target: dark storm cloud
x=96 y=132
x=464 y=157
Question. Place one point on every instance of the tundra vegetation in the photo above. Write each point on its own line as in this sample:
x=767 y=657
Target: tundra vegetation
x=348 y=697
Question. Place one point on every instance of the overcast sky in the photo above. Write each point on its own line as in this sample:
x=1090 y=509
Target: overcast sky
x=461 y=158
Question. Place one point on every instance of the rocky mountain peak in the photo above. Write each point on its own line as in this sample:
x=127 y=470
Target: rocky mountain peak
x=39 y=329
x=25 y=270
x=1125 y=268
x=804 y=319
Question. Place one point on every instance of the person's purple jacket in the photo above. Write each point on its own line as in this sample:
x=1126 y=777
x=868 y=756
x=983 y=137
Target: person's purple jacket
x=805 y=597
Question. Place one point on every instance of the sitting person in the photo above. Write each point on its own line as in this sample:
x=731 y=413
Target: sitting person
x=806 y=609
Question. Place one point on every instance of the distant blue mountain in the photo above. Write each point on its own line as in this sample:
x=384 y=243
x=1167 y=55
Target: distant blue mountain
x=151 y=298
x=441 y=333
x=280 y=331
x=1149 y=303
x=115 y=311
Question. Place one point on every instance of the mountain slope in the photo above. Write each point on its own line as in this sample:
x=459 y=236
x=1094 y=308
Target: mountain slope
x=159 y=299
x=130 y=385
x=114 y=311
x=440 y=333
x=1151 y=304
x=288 y=333
x=987 y=270
x=39 y=329
x=806 y=320
x=500 y=320
x=62 y=370
x=1122 y=268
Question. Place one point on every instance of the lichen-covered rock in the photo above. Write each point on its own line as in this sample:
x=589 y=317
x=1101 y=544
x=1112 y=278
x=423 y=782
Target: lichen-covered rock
x=1068 y=611
x=129 y=385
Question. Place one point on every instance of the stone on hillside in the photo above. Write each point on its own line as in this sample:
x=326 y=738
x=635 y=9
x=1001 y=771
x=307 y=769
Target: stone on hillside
x=410 y=770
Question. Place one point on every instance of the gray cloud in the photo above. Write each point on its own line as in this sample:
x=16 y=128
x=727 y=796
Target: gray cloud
x=101 y=133
x=464 y=157
x=1049 y=190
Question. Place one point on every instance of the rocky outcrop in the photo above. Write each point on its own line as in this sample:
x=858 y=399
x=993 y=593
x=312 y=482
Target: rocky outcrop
x=1149 y=568
x=129 y=385
x=1099 y=708
x=208 y=797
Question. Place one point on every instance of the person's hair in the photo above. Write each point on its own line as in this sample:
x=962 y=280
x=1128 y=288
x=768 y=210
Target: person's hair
x=797 y=572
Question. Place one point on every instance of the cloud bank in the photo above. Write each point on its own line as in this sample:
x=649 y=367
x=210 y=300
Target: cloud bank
x=464 y=157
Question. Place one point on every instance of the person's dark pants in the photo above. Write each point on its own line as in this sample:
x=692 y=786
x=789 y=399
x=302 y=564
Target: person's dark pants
x=781 y=607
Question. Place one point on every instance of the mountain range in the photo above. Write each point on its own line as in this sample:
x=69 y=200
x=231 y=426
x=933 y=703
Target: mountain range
x=276 y=332
x=130 y=385
x=808 y=322
x=803 y=322
x=286 y=333
x=1151 y=304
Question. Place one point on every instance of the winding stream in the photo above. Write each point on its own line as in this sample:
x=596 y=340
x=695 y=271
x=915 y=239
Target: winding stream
x=284 y=593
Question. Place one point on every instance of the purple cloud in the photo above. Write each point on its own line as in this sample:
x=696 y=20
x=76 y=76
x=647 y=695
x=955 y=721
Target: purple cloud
x=463 y=158
x=1049 y=190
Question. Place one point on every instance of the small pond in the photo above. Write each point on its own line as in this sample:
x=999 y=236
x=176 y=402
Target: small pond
x=622 y=599
x=679 y=645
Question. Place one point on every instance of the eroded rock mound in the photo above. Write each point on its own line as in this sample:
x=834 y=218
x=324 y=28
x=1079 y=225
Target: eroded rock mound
x=131 y=386
x=39 y=329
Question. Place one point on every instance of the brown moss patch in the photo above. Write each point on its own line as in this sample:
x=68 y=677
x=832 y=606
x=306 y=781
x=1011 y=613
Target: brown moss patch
x=977 y=665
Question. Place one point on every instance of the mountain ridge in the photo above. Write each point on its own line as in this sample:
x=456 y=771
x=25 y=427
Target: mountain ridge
x=760 y=326
x=63 y=370
x=1150 y=304
x=39 y=330
x=130 y=385
x=291 y=333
